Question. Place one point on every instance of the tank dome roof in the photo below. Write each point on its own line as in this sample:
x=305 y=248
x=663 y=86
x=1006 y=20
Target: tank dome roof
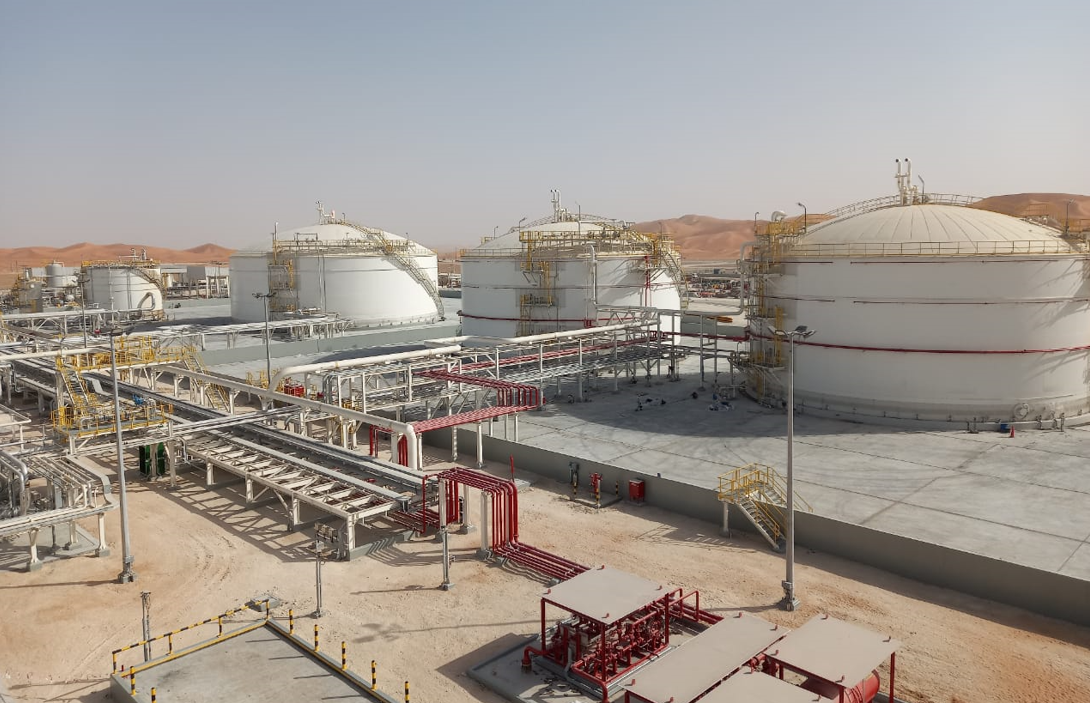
x=927 y=223
x=330 y=232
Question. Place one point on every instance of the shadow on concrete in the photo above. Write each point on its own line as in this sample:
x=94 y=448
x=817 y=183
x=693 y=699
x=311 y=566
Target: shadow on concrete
x=394 y=555
x=682 y=415
x=81 y=691
x=456 y=669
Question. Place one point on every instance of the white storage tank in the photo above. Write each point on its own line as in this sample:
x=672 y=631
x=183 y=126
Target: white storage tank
x=123 y=285
x=365 y=275
x=56 y=275
x=927 y=311
x=552 y=275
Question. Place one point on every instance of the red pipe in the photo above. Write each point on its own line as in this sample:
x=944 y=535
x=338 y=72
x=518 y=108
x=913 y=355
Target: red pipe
x=900 y=350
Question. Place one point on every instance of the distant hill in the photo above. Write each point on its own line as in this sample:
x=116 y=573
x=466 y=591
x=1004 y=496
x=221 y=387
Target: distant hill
x=75 y=254
x=700 y=237
x=1054 y=206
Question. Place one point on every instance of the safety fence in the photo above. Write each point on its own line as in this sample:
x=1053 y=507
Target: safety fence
x=339 y=667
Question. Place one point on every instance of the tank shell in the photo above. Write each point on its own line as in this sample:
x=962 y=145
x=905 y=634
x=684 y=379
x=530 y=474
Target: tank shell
x=368 y=289
x=123 y=287
x=495 y=282
x=989 y=326
x=55 y=275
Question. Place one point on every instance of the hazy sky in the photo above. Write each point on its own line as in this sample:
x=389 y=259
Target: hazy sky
x=189 y=122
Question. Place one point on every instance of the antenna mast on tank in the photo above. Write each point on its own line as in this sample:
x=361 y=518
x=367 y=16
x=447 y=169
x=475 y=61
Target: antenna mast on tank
x=321 y=212
x=556 y=204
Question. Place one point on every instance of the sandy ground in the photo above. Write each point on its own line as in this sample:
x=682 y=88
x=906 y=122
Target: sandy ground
x=199 y=553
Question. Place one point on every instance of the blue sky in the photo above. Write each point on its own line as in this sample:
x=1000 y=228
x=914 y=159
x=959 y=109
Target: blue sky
x=182 y=123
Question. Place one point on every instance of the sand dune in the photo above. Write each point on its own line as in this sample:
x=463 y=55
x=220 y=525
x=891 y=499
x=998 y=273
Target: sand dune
x=75 y=254
x=699 y=237
x=1051 y=205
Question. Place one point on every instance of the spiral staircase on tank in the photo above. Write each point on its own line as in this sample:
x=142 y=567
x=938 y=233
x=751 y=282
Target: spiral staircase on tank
x=398 y=251
x=761 y=495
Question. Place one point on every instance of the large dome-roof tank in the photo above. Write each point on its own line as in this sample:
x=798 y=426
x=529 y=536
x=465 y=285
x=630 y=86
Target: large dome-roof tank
x=924 y=309
x=370 y=277
x=555 y=273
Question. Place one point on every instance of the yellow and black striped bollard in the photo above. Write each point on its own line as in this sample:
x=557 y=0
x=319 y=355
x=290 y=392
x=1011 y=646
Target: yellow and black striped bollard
x=291 y=622
x=132 y=681
x=153 y=694
x=315 y=638
x=374 y=675
x=406 y=692
x=344 y=656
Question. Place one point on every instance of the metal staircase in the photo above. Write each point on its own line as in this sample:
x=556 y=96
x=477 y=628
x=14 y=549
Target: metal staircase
x=74 y=386
x=146 y=275
x=216 y=395
x=669 y=259
x=398 y=251
x=761 y=494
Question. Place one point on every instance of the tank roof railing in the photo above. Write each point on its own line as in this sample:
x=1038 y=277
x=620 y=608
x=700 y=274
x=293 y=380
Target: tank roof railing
x=796 y=247
x=606 y=242
x=887 y=201
x=120 y=263
x=567 y=216
x=354 y=245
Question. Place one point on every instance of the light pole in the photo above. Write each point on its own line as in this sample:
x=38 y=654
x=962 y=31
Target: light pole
x=127 y=574
x=520 y=224
x=790 y=602
x=803 y=216
x=268 y=352
x=1067 y=217
x=755 y=215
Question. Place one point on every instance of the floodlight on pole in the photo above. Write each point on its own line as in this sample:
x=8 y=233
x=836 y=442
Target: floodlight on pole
x=790 y=601
x=127 y=574
x=268 y=351
x=804 y=216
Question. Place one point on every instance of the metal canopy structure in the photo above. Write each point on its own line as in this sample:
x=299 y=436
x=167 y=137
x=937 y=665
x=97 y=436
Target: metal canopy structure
x=685 y=673
x=836 y=651
x=605 y=593
x=755 y=687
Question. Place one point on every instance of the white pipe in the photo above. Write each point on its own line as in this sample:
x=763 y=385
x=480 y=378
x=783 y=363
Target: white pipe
x=561 y=335
x=363 y=361
x=22 y=472
x=41 y=355
x=393 y=425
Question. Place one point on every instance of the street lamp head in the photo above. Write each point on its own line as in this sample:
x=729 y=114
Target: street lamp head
x=801 y=205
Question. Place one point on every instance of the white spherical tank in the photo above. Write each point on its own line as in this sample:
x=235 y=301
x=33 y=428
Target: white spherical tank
x=931 y=312
x=553 y=274
x=370 y=277
x=123 y=285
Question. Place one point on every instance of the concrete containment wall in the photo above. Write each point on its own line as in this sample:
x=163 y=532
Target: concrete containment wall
x=1043 y=592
